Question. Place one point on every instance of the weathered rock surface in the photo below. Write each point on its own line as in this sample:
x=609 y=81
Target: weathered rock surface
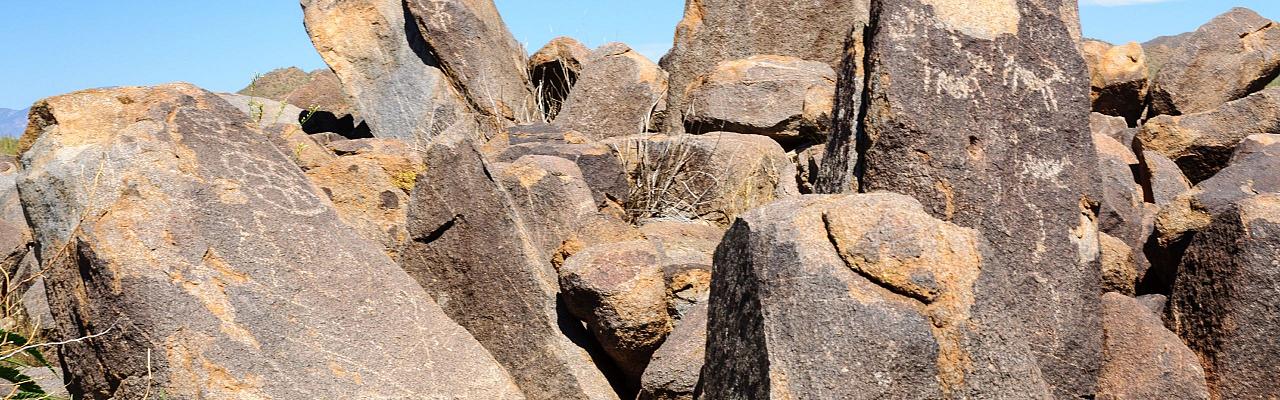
x=944 y=101
x=553 y=71
x=1115 y=127
x=1194 y=209
x=504 y=291
x=785 y=98
x=858 y=297
x=807 y=161
x=616 y=94
x=714 y=31
x=1234 y=54
x=211 y=269
x=1202 y=143
x=632 y=294
x=620 y=292
x=1117 y=77
x=552 y=196
x=601 y=169
x=711 y=177
x=1225 y=300
x=387 y=69
x=370 y=190
x=1159 y=50
x=475 y=50
x=1190 y=212
x=1161 y=179
x=1141 y=358
x=1253 y=144
x=1122 y=197
x=676 y=368
x=1119 y=266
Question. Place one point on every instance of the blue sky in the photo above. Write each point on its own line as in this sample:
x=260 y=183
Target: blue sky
x=57 y=46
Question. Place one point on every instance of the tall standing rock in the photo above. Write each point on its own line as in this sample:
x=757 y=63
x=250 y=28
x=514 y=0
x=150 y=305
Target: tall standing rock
x=1235 y=54
x=387 y=68
x=861 y=296
x=1225 y=302
x=479 y=55
x=471 y=250
x=714 y=31
x=211 y=269
x=980 y=111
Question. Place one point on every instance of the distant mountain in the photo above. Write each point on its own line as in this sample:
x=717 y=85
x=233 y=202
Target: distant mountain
x=12 y=122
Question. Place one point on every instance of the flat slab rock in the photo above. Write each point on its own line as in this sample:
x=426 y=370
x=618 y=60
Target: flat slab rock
x=211 y=268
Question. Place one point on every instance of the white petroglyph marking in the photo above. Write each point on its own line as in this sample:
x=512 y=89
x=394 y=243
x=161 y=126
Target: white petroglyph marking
x=1046 y=170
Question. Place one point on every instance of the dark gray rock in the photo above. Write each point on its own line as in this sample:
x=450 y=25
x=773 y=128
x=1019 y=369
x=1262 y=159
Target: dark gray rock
x=1224 y=304
x=617 y=94
x=992 y=133
x=714 y=31
x=212 y=269
x=785 y=98
x=676 y=368
x=1201 y=144
x=859 y=297
x=385 y=66
x=504 y=291
x=1162 y=181
x=472 y=46
x=1234 y=54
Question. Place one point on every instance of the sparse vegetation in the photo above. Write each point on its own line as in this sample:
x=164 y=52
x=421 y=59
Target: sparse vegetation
x=9 y=146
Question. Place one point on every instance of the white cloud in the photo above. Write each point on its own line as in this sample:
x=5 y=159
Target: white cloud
x=1118 y=3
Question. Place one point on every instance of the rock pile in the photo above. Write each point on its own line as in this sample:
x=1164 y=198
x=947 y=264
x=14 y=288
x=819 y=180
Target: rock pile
x=852 y=199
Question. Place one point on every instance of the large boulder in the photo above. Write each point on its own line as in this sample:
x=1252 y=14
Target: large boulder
x=200 y=264
x=1202 y=143
x=1159 y=50
x=620 y=292
x=1224 y=304
x=387 y=68
x=471 y=44
x=632 y=294
x=714 y=31
x=1234 y=54
x=553 y=71
x=1194 y=209
x=1142 y=359
x=859 y=297
x=617 y=94
x=1117 y=78
x=712 y=177
x=471 y=249
x=980 y=111
x=370 y=190
x=785 y=98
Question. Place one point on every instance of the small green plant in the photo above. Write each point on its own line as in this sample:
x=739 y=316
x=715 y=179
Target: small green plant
x=405 y=180
x=311 y=111
x=20 y=354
